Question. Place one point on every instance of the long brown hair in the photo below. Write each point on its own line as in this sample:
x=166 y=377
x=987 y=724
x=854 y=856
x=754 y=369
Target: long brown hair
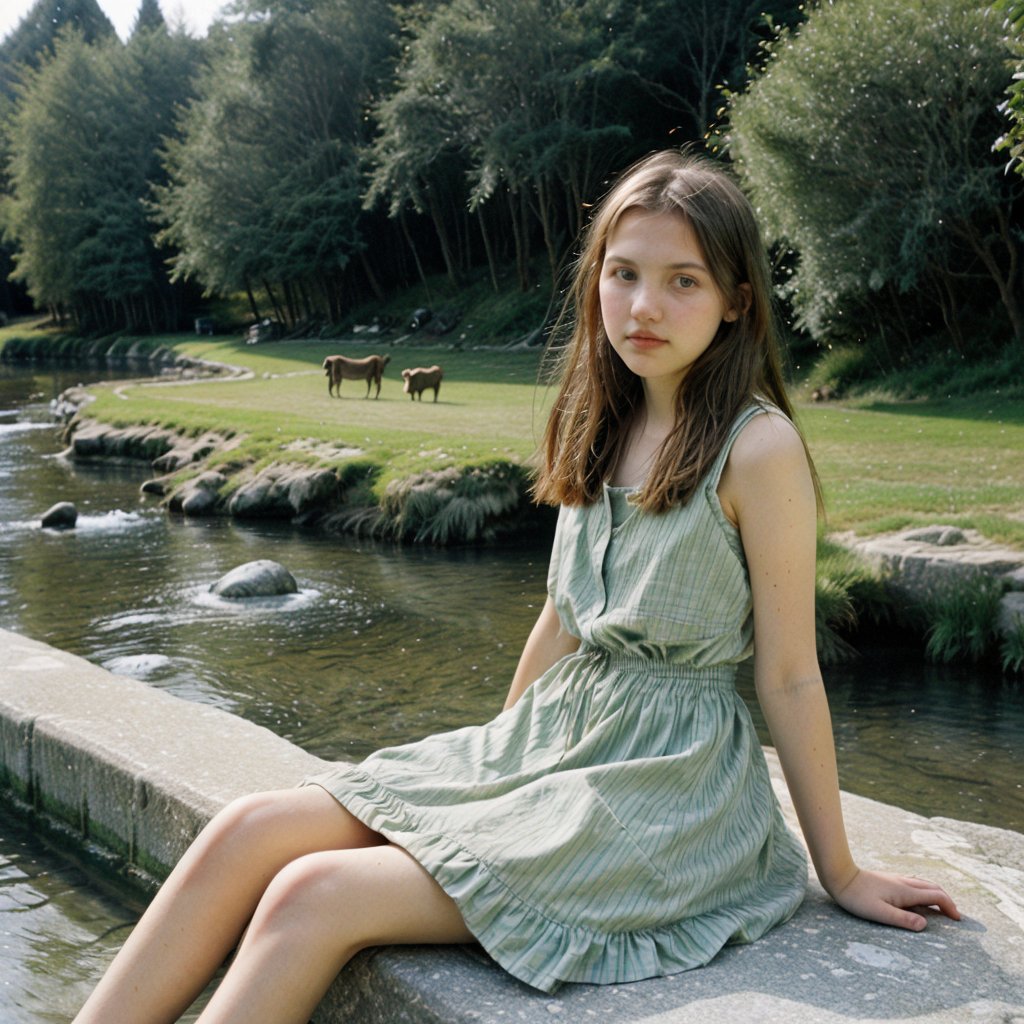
x=599 y=397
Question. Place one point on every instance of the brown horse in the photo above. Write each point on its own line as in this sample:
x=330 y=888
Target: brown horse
x=339 y=368
x=420 y=379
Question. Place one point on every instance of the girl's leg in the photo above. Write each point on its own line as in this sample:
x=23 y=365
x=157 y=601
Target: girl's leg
x=316 y=914
x=197 y=917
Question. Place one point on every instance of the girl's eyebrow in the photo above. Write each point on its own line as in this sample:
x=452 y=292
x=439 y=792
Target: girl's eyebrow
x=685 y=265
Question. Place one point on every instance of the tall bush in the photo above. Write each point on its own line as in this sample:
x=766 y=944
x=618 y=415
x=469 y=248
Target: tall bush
x=1013 y=140
x=866 y=143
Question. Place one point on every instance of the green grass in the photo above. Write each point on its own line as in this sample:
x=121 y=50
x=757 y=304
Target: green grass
x=490 y=408
x=893 y=465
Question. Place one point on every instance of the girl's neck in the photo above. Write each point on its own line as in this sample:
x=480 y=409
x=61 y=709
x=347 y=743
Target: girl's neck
x=659 y=411
x=647 y=434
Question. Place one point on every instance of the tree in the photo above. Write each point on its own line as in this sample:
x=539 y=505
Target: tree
x=517 y=112
x=264 y=187
x=674 y=56
x=36 y=34
x=149 y=19
x=501 y=112
x=83 y=143
x=866 y=146
x=1013 y=140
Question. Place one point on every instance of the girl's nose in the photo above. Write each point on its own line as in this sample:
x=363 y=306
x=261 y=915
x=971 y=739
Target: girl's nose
x=645 y=304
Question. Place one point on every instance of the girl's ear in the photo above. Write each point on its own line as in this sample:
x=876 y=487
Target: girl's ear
x=744 y=297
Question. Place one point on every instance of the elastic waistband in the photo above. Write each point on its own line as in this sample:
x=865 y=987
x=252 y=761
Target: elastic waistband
x=641 y=666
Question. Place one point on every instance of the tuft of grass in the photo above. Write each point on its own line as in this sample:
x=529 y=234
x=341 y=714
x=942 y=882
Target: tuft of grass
x=963 y=621
x=1011 y=651
x=846 y=591
x=454 y=505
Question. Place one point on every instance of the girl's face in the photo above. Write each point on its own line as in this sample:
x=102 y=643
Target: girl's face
x=661 y=307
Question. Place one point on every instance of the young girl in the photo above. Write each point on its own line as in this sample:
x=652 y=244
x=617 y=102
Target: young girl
x=616 y=821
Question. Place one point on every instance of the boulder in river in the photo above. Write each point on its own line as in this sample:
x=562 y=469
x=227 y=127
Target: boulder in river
x=61 y=516
x=262 y=578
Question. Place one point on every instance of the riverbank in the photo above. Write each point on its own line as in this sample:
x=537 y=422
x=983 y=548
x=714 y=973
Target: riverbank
x=885 y=465
x=916 y=569
x=125 y=770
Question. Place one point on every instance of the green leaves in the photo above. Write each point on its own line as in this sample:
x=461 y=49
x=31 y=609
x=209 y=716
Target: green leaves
x=866 y=145
x=83 y=140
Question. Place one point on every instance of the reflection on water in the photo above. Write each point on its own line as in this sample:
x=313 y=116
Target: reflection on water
x=53 y=926
x=384 y=644
x=59 y=930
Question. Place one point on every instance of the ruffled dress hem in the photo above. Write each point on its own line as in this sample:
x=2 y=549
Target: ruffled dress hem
x=512 y=932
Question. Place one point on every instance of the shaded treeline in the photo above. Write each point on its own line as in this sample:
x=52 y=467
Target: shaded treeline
x=314 y=154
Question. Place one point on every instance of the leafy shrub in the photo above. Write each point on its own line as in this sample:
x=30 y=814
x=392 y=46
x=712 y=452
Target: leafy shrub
x=866 y=144
x=841 y=367
x=963 y=620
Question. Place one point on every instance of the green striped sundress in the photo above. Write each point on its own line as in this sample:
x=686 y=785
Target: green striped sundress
x=618 y=822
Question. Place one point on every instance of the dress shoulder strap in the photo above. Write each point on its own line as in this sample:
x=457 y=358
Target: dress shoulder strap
x=756 y=408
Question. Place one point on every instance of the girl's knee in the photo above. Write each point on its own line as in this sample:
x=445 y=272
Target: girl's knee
x=312 y=895
x=238 y=825
x=240 y=814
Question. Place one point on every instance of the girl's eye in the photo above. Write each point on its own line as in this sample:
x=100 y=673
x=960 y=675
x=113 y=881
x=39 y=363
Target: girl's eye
x=625 y=274
x=685 y=282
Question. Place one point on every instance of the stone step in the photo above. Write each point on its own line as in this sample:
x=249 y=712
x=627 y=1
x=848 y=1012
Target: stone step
x=138 y=771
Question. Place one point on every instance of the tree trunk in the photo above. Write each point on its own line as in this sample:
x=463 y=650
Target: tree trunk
x=252 y=301
x=491 y=266
x=517 y=204
x=414 y=251
x=371 y=277
x=442 y=236
x=278 y=313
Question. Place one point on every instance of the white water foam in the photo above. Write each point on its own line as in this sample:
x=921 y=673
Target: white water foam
x=114 y=521
x=22 y=426
x=205 y=598
x=136 y=666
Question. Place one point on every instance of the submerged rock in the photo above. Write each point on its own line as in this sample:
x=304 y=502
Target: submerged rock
x=262 y=578
x=61 y=516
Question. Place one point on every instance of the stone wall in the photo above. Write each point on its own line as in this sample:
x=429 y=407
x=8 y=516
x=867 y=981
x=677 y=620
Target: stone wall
x=137 y=771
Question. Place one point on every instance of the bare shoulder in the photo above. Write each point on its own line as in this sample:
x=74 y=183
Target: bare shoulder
x=770 y=436
x=768 y=459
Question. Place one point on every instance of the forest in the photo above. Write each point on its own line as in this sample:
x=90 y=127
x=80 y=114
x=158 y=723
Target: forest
x=312 y=156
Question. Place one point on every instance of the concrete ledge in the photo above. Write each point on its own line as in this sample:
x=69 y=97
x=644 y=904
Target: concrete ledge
x=138 y=772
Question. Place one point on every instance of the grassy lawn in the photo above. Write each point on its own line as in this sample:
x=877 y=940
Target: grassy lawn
x=489 y=408
x=887 y=466
x=883 y=465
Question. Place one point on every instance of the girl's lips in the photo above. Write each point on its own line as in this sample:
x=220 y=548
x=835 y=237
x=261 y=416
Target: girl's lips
x=645 y=340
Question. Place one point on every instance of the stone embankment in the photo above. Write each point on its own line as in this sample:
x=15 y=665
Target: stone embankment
x=121 y=767
x=451 y=505
x=921 y=565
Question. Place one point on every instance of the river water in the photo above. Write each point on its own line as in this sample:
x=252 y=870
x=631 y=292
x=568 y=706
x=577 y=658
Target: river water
x=382 y=644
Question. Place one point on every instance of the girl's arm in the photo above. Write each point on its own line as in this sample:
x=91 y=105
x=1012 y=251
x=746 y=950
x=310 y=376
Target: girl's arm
x=546 y=644
x=767 y=489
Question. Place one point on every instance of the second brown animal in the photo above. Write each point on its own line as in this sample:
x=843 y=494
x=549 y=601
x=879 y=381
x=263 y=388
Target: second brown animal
x=419 y=379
